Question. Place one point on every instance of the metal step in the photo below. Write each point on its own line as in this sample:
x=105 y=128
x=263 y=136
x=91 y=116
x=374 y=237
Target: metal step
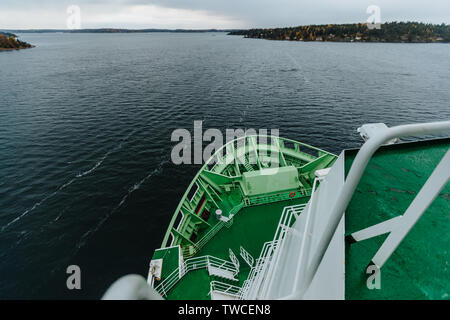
x=221 y=273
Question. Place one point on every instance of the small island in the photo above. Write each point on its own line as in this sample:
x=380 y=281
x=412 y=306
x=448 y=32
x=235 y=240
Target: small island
x=412 y=32
x=9 y=41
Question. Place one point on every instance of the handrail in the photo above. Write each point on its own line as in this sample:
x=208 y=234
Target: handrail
x=189 y=265
x=357 y=169
x=302 y=256
x=216 y=228
x=246 y=256
x=258 y=283
x=234 y=260
x=280 y=235
x=209 y=235
x=255 y=274
x=225 y=288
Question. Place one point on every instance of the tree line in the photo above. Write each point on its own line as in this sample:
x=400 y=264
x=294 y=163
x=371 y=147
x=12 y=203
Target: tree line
x=9 y=41
x=386 y=32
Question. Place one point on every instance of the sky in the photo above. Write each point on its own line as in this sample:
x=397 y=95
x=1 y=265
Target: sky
x=205 y=14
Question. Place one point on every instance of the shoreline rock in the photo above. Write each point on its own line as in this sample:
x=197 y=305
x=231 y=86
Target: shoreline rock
x=9 y=42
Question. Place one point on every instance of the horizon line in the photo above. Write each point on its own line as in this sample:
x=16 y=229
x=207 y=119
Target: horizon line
x=199 y=29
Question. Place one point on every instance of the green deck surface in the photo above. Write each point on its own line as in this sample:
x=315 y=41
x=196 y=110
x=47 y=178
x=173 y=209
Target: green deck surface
x=252 y=226
x=419 y=268
x=171 y=259
x=193 y=286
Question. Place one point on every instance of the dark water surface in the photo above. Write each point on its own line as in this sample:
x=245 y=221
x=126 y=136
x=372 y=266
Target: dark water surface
x=86 y=120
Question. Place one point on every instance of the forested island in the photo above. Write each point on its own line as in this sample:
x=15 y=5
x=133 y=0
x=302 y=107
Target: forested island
x=414 y=32
x=9 y=41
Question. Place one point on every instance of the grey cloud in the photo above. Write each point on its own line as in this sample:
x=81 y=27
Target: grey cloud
x=273 y=13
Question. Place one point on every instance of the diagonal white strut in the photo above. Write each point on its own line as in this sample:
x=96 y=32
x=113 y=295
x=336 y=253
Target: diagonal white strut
x=377 y=229
x=401 y=226
x=359 y=164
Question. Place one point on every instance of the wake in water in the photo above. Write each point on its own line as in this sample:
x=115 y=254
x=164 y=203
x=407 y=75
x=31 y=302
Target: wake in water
x=119 y=146
x=299 y=67
x=37 y=204
x=136 y=186
x=68 y=183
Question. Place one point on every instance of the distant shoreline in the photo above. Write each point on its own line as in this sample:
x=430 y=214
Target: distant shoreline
x=393 y=32
x=348 y=41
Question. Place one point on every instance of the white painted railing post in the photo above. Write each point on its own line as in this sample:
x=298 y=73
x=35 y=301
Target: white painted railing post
x=302 y=256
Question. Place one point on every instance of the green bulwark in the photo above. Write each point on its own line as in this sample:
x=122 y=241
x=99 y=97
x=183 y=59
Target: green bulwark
x=248 y=171
x=419 y=267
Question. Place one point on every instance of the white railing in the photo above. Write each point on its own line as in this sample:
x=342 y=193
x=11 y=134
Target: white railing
x=345 y=193
x=205 y=239
x=233 y=211
x=213 y=231
x=208 y=236
x=247 y=256
x=304 y=252
x=224 y=288
x=252 y=284
x=228 y=223
x=261 y=275
x=193 y=264
x=234 y=260
x=289 y=214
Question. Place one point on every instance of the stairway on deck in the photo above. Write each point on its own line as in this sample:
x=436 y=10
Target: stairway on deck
x=217 y=295
x=221 y=273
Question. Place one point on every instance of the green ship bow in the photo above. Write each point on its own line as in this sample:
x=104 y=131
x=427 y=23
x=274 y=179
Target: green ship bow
x=272 y=218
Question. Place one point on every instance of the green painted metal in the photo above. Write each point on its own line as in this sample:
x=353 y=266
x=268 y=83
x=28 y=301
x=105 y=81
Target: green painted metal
x=240 y=187
x=275 y=197
x=170 y=257
x=268 y=181
x=182 y=235
x=196 y=218
x=222 y=185
x=418 y=269
x=251 y=228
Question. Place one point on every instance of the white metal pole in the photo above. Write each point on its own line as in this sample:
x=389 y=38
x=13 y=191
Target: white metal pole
x=356 y=171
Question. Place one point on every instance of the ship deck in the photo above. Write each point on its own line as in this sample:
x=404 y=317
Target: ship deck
x=252 y=226
x=419 y=268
